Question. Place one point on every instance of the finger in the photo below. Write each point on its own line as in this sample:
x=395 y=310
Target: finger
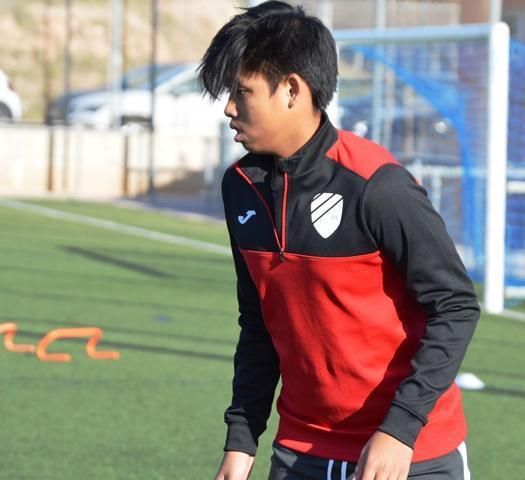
x=366 y=473
x=359 y=468
x=385 y=476
x=389 y=475
x=357 y=472
x=381 y=476
x=352 y=475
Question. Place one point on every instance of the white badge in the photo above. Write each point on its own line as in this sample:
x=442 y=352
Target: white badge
x=327 y=211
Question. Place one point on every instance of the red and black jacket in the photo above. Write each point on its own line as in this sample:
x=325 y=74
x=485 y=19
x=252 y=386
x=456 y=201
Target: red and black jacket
x=351 y=290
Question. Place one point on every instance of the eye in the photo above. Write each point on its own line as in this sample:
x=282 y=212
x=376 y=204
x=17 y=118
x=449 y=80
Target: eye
x=241 y=91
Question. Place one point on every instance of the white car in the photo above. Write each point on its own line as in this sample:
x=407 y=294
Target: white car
x=179 y=105
x=10 y=104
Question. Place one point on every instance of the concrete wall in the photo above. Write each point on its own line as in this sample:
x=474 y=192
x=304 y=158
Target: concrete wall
x=23 y=169
x=36 y=161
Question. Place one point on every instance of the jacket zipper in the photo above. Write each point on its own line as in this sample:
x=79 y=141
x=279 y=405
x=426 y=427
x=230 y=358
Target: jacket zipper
x=283 y=217
x=281 y=242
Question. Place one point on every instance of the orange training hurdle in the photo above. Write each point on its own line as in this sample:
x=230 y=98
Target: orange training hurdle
x=94 y=334
x=9 y=329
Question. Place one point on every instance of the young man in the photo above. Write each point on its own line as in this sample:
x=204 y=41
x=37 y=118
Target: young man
x=349 y=286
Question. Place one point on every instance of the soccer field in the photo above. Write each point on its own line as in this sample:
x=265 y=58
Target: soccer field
x=170 y=311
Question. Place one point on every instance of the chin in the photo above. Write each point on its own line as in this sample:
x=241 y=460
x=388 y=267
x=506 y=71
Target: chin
x=256 y=149
x=251 y=148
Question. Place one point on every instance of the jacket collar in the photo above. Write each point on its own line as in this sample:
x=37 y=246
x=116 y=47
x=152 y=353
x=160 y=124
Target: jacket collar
x=309 y=154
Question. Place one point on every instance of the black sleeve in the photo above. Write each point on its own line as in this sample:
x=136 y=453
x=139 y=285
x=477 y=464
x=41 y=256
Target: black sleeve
x=256 y=368
x=411 y=233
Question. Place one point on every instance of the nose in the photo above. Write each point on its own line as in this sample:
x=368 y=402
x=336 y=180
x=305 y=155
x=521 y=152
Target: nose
x=230 y=110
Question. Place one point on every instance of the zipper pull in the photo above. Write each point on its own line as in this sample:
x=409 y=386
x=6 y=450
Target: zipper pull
x=281 y=255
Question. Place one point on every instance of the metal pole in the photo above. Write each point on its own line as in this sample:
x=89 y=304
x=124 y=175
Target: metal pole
x=47 y=94
x=379 y=74
x=495 y=11
x=125 y=165
x=325 y=11
x=153 y=75
x=450 y=33
x=67 y=58
x=115 y=64
x=67 y=90
x=50 y=159
x=496 y=168
x=45 y=58
x=124 y=37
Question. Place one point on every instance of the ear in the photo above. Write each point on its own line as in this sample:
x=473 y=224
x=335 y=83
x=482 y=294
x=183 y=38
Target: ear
x=294 y=87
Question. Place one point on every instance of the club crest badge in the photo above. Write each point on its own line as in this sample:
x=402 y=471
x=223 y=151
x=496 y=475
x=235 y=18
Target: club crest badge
x=327 y=211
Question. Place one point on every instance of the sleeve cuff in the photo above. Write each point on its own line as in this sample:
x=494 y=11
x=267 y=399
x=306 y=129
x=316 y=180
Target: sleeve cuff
x=239 y=438
x=402 y=425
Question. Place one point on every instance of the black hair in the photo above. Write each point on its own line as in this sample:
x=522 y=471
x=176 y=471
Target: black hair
x=274 y=39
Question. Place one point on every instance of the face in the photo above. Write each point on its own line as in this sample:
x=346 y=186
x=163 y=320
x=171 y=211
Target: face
x=258 y=115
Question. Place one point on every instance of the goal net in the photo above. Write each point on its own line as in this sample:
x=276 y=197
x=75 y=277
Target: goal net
x=437 y=98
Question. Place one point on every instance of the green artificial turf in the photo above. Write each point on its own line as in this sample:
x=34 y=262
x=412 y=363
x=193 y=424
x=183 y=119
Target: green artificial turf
x=170 y=311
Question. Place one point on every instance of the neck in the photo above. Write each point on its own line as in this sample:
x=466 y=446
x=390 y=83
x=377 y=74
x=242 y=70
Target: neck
x=302 y=133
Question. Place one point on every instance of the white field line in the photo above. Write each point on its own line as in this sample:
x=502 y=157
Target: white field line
x=115 y=226
x=150 y=234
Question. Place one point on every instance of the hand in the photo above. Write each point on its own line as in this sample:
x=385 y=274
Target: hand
x=383 y=458
x=235 y=466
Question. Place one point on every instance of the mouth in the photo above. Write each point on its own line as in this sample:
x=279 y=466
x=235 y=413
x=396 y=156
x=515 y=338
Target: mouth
x=239 y=136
